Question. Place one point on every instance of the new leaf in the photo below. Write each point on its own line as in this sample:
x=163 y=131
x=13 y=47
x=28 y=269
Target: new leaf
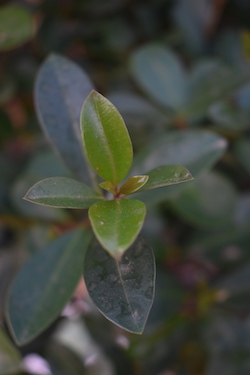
x=105 y=138
x=117 y=223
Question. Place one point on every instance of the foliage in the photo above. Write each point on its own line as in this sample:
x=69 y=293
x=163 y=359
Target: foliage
x=177 y=73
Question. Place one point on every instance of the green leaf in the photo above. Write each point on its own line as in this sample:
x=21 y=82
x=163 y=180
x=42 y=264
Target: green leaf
x=122 y=290
x=62 y=192
x=45 y=284
x=16 y=27
x=61 y=86
x=228 y=116
x=242 y=151
x=197 y=150
x=108 y=186
x=133 y=184
x=159 y=72
x=42 y=165
x=105 y=138
x=10 y=359
x=117 y=223
x=230 y=78
x=62 y=360
x=166 y=175
x=208 y=202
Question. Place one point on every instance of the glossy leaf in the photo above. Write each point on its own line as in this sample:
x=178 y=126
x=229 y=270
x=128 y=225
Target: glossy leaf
x=105 y=138
x=60 y=89
x=10 y=359
x=166 y=175
x=45 y=284
x=159 y=72
x=62 y=192
x=108 y=186
x=117 y=223
x=122 y=290
x=197 y=150
x=133 y=184
x=16 y=27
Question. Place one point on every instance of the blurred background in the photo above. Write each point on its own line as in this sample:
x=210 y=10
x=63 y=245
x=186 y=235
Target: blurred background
x=178 y=71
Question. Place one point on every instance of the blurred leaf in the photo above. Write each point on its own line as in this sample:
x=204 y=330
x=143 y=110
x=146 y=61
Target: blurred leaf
x=43 y=164
x=229 y=47
x=10 y=359
x=16 y=27
x=105 y=138
x=201 y=74
x=133 y=184
x=44 y=285
x=60 y=89
x=230 y=78
x=123 y=291
x=192 y=18
x=209 y=201
x=228 y=116
x=62 y=192
x=197 y=150
x=159 y=72
x=117 y=223
x=242 y=151
x=63 y=361
x=166 y=175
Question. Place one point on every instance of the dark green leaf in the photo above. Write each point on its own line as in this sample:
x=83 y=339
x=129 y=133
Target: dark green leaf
x=230 y=78
x=61 y=87
x=166 y=175
x=44 y=285
x=16 y=27
x=63 y=361
x=105 y=138
x=62 y=192
x=209 y=201
x=122 y=290
x=133 y=184
x=227 y=116
x=10 y=359
x=159 y=72
x=117 y=223
x=242 y=150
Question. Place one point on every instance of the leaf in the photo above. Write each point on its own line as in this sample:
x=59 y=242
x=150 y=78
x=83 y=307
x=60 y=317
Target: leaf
x=62 y=360
x=10 y=359
x=16 y=27
x=45 y=284
x=159 y=72
x=117 y=223
x=62 y=192
x=122 y=290
x=242 y=151
x=42 y=165
x=105 y=139
x=108 y=186
x=230 y=78
x=133 y=184
x=227 y=116
x=60 y=89
x=210 y=201
x=166 y=175
x=197 y=150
